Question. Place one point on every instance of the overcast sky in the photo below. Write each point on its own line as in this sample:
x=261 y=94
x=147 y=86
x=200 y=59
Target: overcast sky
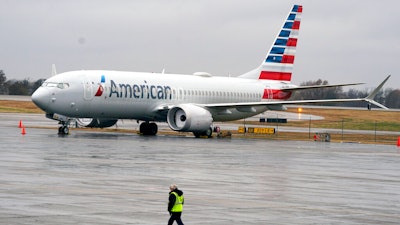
x=340 y=41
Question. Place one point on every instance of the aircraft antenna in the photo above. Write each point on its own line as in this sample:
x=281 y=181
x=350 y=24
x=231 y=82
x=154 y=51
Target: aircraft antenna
x=53 y=70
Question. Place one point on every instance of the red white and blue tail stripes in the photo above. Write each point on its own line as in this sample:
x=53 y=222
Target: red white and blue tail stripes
x=278 y=64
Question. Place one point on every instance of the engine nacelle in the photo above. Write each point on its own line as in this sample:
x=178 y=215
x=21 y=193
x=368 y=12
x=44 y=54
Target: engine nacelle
x=94 y=122
x=189 y=118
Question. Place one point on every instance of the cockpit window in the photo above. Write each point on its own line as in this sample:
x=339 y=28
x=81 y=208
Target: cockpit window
x=62 y=85
x=49 y=84
x=54 y=84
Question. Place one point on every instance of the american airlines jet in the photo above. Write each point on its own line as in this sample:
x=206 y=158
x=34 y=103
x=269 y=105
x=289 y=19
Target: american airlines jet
x=188 y=103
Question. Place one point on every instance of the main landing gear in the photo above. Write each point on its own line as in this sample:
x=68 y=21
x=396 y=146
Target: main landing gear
x=147 y=128
x=207 y=133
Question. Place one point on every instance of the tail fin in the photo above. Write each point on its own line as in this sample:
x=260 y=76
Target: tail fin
x=278 y=64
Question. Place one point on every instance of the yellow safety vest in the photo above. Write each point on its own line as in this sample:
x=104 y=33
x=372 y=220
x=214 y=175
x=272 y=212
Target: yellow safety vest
x=178 y=206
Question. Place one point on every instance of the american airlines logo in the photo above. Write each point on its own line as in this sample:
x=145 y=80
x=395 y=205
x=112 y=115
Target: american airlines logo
x=140 y=91
x=100 y=89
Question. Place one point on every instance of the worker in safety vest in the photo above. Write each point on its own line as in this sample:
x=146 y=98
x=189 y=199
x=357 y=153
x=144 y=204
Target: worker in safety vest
x=175 y=205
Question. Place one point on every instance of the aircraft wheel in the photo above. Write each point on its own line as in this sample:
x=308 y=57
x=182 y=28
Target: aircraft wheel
x=142 y=128
x=153 y=129
x=197 y=134
x=63 y=130
x=208 y=132
x=148 y=128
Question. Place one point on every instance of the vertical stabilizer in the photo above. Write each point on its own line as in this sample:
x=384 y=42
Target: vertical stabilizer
x=278 y=64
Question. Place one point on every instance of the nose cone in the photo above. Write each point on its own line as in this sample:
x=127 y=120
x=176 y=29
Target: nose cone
x=41 y=98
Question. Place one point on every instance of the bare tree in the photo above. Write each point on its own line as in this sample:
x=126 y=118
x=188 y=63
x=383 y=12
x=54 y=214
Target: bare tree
x=3 y=86
x=393 y=99
x=318 y=93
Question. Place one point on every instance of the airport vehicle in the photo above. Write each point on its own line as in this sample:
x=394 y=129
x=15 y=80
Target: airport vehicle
x=188 y=103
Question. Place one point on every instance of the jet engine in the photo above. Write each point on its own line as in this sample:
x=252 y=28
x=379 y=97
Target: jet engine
x=94 y=122
x=189 y=118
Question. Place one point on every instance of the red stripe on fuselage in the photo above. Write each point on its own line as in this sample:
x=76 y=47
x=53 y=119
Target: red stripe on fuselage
x=269 y=75
x=276 y=94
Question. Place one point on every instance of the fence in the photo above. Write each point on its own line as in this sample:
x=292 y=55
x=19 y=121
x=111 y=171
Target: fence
x=323 y=130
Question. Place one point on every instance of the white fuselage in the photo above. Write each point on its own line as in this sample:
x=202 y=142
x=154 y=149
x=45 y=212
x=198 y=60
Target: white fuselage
x=135 y=95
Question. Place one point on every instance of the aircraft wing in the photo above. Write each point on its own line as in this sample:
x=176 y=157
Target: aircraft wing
x=281 y=103
x=318 y=86
x=369 y=99
x=161 y=111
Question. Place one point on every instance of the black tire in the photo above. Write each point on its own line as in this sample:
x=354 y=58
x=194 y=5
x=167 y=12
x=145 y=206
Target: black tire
x=143 y=128
x=153 y=129
x=65 y=130
x=208 y=132
x=197 y=134
x=148 y=128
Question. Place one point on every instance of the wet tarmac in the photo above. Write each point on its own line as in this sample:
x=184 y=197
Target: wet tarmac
x=123 y=178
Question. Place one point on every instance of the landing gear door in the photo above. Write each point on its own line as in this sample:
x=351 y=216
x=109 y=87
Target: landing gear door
x=87 y=88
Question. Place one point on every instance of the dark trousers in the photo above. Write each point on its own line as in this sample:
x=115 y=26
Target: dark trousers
x=175 y=216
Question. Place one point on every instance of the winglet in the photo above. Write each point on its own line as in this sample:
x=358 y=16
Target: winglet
x=370 y=97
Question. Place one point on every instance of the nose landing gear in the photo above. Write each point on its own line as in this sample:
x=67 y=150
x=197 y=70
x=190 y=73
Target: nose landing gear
x=63 y=129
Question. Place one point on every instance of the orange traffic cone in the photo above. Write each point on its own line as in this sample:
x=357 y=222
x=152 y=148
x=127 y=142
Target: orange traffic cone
x=398 y=142
x=20 y=124
x=23 y=132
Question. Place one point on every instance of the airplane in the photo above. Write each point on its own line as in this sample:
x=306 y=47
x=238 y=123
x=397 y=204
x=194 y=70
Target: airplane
x=188 y=103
